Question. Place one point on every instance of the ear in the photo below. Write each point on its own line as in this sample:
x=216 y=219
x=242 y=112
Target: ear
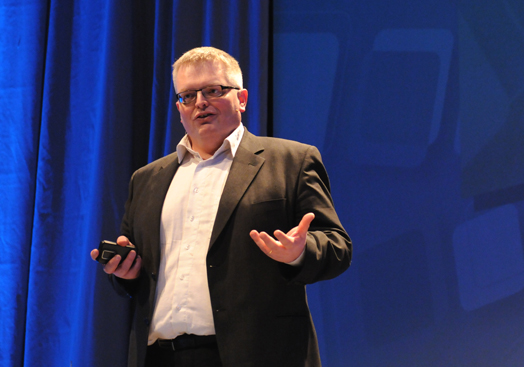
x=178 y=106
x=242 y=99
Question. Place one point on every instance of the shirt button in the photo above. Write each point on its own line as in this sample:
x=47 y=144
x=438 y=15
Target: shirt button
x=191 y=218
x=195 y=190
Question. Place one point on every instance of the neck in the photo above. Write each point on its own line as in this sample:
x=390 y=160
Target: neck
x=206 y=148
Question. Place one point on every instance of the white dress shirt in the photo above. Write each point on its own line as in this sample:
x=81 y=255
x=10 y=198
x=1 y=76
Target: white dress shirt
x=182 y=303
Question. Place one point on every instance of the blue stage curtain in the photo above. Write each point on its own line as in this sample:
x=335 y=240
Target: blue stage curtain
x=85 y=98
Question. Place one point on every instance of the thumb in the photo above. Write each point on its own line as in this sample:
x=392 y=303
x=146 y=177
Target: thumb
x=123 y=241
x=304 y=224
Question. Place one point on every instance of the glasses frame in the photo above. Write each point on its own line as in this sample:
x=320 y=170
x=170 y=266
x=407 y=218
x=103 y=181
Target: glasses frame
x=224 y=89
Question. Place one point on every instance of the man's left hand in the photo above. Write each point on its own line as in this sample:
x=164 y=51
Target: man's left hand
x=287 y=247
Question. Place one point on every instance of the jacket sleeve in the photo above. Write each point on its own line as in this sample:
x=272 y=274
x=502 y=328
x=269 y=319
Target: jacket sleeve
x=124 y=287
x=328 y=247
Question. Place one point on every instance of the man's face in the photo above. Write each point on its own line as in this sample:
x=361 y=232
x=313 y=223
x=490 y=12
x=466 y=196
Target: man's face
x=209 y=121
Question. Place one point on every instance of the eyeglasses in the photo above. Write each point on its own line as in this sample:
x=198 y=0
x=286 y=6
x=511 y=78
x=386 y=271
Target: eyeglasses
x=212 y=91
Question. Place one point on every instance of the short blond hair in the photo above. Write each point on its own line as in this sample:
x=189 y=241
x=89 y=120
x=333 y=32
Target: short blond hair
x=201 y=55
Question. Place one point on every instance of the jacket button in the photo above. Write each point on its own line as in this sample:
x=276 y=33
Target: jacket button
x=154 y=276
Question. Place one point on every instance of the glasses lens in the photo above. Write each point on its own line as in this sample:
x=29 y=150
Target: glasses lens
x=187 y=97
x=212 y=91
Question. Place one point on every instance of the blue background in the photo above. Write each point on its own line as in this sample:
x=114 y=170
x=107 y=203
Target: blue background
x=416 y=106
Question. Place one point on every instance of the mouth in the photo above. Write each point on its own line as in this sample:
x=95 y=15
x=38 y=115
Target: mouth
x=203 y=116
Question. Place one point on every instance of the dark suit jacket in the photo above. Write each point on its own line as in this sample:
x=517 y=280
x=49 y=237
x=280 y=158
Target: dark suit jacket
x=259 y=305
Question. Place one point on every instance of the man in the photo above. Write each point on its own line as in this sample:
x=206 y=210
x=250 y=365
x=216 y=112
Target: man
x=228 y=231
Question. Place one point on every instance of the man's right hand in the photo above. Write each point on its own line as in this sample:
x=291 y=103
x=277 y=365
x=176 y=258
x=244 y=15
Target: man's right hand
x=122 y=269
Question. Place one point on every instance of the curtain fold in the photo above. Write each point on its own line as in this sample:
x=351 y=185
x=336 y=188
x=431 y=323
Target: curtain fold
x=22 y=42
x=86 y=102
x=85 y=98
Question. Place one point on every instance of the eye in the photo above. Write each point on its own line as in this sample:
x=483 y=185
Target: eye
x=213 y=91
x=188 y=96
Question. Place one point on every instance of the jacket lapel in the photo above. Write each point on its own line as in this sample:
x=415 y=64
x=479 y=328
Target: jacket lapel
x=159 y=187
x=245 y=166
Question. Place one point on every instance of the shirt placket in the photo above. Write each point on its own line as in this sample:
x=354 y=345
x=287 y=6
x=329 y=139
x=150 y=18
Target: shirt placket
x=190 y=242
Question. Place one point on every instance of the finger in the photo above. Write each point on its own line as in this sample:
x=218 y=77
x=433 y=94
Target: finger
x=304 y=224
x=284 y=239
x=270 y=242
x=123 y=241
x=125 y=265
x=273 y=246
x=292 y=232
x=135 y=269
x=128 y=261
x=94 y=254
x=112 y=264
x=264 y=242
x=255 y=236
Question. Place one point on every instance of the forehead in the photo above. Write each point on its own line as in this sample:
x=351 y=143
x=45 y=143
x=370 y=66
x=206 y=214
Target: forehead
x=196 y=76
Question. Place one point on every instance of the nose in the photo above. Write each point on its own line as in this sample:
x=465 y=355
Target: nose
x=201 y=100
